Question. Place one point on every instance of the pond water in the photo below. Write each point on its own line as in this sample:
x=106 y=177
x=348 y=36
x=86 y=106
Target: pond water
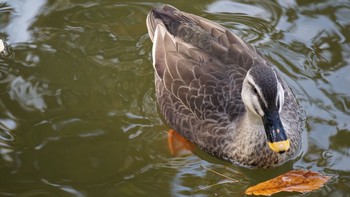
x=78 y=115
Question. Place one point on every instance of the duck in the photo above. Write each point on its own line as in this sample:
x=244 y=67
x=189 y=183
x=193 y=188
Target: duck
x=220 y=93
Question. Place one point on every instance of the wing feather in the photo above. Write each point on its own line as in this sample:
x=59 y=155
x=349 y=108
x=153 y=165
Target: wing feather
x=198 y=81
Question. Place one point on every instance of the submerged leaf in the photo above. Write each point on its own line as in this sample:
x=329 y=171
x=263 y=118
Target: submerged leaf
x=293 y=181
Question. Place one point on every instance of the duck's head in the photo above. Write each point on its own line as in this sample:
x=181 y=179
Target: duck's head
x=263 y=95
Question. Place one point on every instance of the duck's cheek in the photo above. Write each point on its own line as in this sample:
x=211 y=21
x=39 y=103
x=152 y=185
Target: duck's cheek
x=254 y=106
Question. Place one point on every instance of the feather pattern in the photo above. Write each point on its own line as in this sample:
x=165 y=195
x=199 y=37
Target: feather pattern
x=200 y=68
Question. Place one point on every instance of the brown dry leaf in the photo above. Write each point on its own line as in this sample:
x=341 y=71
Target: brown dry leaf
x=292 y=181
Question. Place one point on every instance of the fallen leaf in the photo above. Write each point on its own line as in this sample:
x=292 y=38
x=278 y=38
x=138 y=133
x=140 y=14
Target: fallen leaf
x=292 y=181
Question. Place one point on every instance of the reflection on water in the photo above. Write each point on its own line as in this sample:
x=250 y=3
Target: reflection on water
x=29 y=96
x=78 y=115
x=24 y=13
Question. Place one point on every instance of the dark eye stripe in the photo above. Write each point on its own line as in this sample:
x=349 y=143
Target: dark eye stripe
x=261 y=102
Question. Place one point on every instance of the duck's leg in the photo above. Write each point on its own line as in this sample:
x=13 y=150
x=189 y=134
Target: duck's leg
x=178 y=145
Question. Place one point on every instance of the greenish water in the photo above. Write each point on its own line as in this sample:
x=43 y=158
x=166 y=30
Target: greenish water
x=77 y=109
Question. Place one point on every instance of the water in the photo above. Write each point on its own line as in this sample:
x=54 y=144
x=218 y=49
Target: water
x=78 y=114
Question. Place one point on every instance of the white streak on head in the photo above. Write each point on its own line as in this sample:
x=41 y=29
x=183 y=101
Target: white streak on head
x=250 y=99
x=280 y=94
x=258 y=89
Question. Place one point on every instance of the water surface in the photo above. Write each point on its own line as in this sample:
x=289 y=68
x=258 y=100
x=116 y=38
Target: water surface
x=78 y=114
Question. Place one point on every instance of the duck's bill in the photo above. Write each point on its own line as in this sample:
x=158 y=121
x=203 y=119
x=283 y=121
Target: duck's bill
x=277 y=138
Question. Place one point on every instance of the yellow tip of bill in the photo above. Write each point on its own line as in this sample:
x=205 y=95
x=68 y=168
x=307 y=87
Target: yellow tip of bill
x=279 y=147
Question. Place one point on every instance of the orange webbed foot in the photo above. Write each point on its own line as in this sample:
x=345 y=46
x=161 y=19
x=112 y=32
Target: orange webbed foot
x=179 y=145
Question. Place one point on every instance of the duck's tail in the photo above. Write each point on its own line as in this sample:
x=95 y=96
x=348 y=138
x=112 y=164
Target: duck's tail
x=179 y=24
x=167 y=15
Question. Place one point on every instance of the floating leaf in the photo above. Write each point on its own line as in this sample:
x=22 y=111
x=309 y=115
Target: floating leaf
x=293 y=181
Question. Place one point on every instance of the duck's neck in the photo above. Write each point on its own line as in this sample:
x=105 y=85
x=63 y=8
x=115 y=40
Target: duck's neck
x=252 y=119
x=248 y=144
x=251 y=129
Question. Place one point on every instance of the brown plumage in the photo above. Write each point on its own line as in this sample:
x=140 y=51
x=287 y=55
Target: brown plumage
x=218 y=92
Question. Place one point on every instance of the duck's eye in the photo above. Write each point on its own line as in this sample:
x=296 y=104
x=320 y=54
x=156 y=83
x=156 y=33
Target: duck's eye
x=254 y=90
